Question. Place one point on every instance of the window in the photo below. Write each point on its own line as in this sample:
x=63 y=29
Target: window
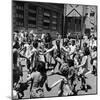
x=46 y=18
x=54 y=20
x=32 y=16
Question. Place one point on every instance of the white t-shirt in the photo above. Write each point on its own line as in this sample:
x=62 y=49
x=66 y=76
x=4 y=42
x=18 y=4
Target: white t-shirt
x=41 y=58
x=90 y=43
x=72 y=48
x=42 y=37
x=94 y=43
x=28 y=50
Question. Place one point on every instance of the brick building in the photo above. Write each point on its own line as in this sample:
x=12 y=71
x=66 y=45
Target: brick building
x=42 y=17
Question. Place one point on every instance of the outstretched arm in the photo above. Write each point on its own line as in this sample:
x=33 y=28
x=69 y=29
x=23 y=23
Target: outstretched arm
x=53 y=85
x=22 y=56
x=49 y=50
x=66 y=50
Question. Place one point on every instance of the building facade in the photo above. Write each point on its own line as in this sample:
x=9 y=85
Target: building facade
x=80 y=19
x=91 y=18
x=41 y=17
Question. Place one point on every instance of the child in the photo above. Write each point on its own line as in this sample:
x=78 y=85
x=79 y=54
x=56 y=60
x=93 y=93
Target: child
x=94 y=60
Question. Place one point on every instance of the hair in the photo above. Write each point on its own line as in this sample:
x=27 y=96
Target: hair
x=41 y=67
x=16 y=46
x=64 y=70
x=57 y=42
x=35 y=44
x=95 y=38
x=73 y=42
x=48 y=37
x=16 y=31
x=48 y=34
x=95 y=48
x=86 y=14
x=86 y=51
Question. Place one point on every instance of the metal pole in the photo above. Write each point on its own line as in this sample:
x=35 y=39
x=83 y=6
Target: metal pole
x=64 y=20
x=82 y=25
x=75 y=23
